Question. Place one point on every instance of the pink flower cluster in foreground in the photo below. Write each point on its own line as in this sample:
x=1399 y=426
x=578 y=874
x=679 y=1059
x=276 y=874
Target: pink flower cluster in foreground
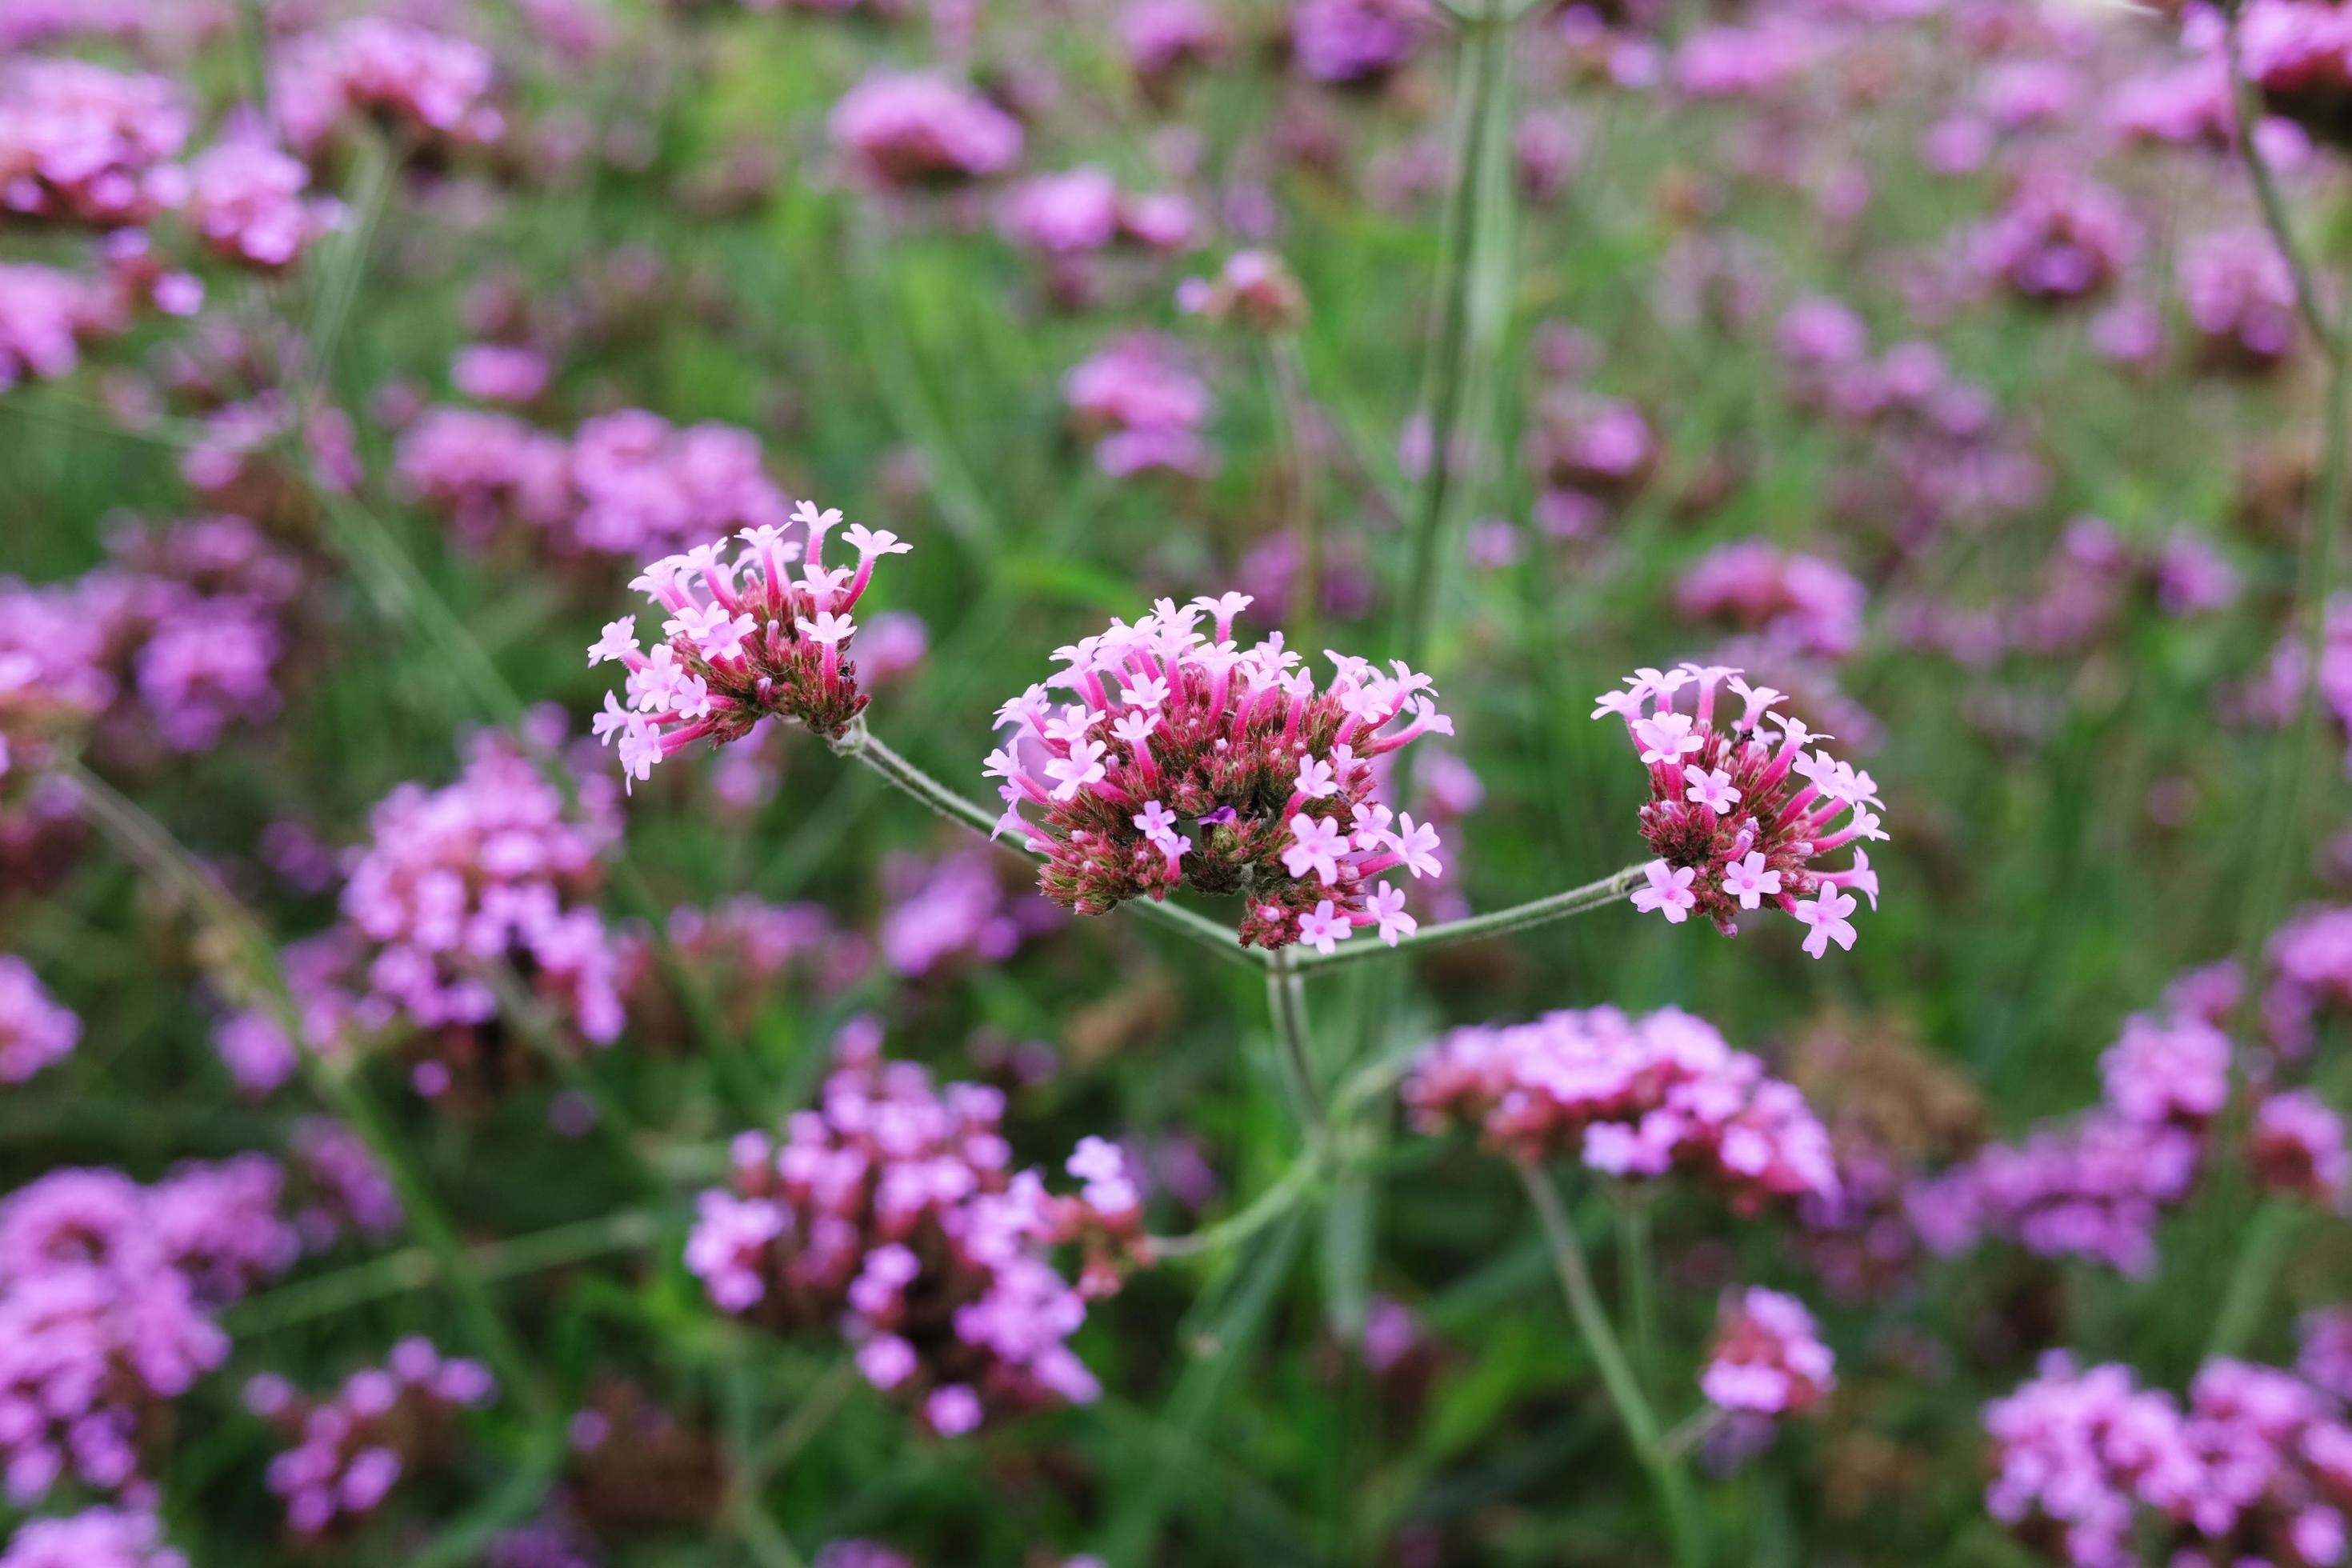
x=743 y=641
x=34 y=1031
x=81 y=144
x=1631 y=1096
x=1141 y=407
x=94 y=1538
x=2089 y=1466
x=351 y=1447
x=912 y=130
x=2095 y=1187
x=1767 y=1358
x=105 y=1292
x=1740 y=809
x=1184 y=760
x=428 y=84
x=891 y=1213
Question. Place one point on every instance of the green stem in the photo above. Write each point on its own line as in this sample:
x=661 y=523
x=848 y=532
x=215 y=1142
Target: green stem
x=1287 y=376
x=1540 y=911
x=1473 y=307
x=2259 y=1255
x=1666 y=1474
x=529 y=1015
x=2246 y=106
x=860 y=745
x=150 y=845
x=1277 y=1200
x=414 y=1269
x=1285 y=1003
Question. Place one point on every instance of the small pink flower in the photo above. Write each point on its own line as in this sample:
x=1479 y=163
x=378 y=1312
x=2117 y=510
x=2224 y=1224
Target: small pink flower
x=1387 y=907
x=1712 y=789
x=1323 y=927
x=1826 y=915
x=1749 y=881
x=1316 y=844
x=1669 y=892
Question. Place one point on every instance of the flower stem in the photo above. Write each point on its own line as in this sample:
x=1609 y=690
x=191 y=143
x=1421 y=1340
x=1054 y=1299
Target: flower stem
x=1264 y=1210
x=1666 y=1474
x=2264 y=1247
x=1473 y=307
x=1519 y=917
x=150 y=845
x=861 y=745
x=1285 y=1001
x=2246 y=106
x=1286 y=377
x=414 y=1269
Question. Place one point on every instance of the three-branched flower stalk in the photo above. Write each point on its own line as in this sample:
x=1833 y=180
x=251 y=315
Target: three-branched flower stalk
x=744 y=641
x=1740 y=808
x=1186 y=761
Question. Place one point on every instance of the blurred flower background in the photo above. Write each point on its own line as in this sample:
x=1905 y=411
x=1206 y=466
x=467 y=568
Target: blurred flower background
x=854 y=783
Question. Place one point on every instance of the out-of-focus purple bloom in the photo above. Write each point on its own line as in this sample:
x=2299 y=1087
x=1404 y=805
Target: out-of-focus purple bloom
x=433 y=85
x=81 y=144
x=94 y=1538
x=916 y=130
x=1632 y=1096
x=1358 y=43
x=1767 y=1358
x=1815 y=605
x=1145 y=409
x=34 y=1031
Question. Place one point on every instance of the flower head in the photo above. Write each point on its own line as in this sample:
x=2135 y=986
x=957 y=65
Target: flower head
x=1274 y=775
x=1740 y=808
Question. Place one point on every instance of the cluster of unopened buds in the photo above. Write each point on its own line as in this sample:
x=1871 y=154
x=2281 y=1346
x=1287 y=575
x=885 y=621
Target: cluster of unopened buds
x=892 y=1214
x=1184 y=762
x=1739 y=808
x=1631 y=1096
x=744 y=641
x=352 y=1449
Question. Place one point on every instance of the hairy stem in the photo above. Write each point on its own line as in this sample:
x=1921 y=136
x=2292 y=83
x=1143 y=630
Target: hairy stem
x=149 y=845
x=1519 y=917
x=1285 y=1003
x=1641 y=1422
x=862 y=746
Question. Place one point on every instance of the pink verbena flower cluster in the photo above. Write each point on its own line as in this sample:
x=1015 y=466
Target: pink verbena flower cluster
x=340 y=1189
x=1186 y=762
x=2095 y=1187
x=494 y=868
x=628 y=484
x=46 y=316
x=1811 y=605
x=34 y=1031
x=2240 y=296
x=245 y=201
x=2061 y=237
x=1738 y=813
x=903 y=130
x=425 y=84
x=1358 y=43
x=2088 y=1466
x=2310 y=957
x=1630 y=1096
x=744 y=641
x=94 y=1538
x=956 y=906
x=105 y=1288
x=2325 y=1358
x=2297 y=1147
x=1084 y=210
x=1767 y=1358
x=351 y=1447
x=892 y=1214
x=1141 y=407
x=1161 y=36
x=81 y=144
x=1256 y=287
